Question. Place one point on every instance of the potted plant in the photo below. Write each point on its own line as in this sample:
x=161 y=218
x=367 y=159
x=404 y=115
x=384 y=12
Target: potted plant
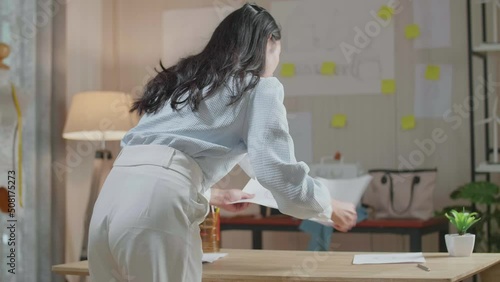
x=483 y=197
x=461 y=244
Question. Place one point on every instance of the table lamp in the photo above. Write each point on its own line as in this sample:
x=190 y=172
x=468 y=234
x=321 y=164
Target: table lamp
x=98 y=116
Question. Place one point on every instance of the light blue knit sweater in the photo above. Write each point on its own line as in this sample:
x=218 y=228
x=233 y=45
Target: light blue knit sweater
x=218 y=136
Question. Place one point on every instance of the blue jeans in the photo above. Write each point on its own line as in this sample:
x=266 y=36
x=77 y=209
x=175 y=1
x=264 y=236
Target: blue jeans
x=321 y=235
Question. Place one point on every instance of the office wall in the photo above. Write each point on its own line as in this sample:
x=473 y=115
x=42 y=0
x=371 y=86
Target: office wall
x=90 y=62
x=372 y=136
x=128 y=33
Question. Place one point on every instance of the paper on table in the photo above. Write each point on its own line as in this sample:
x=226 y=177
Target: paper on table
x=211 y=257
x=388 y=258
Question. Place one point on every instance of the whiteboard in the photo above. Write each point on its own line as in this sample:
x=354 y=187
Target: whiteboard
x=315 y=31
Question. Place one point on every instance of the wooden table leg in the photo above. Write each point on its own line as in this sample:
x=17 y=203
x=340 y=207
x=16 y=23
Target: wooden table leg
x=491 y=274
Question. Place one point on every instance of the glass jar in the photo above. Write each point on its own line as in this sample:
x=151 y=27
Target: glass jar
x=210 y=231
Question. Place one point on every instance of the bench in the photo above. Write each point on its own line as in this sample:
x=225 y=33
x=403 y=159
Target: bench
x=415 y=228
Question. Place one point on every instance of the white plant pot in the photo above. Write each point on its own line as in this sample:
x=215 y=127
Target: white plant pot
x=460 y=245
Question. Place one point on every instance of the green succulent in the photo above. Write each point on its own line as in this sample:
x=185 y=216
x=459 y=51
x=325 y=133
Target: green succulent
x=462 y=220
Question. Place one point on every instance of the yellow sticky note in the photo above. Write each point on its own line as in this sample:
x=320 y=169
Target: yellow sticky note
x=288 y=70
x=328 y=68
x=338 y=121
x=433 y=72
x=412 y=31
x=408 y=122
x=385 y=12
x=388 y=86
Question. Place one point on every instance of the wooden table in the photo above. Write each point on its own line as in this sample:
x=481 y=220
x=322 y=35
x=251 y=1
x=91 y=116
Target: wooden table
x=264 y=265
x=414 y=228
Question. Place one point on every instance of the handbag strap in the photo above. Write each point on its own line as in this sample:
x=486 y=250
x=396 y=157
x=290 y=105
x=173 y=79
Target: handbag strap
x=415 y=181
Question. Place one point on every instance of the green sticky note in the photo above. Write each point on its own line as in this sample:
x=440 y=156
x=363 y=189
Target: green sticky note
x=433 y=72
x=385 y=12
x=388 y=86
x=408 y=122
x=328 y=68
x=288 y=70
x=412 y=31
x=338 y=121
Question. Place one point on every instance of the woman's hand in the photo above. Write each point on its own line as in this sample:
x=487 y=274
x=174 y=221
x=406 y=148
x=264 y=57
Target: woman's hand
x=344 y=215
x=223 y=198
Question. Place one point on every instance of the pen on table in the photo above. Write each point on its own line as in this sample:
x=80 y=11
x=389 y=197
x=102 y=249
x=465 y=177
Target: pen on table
x=421 y=266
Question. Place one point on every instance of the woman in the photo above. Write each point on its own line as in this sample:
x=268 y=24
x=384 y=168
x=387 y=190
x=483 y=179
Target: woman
x=200 y=117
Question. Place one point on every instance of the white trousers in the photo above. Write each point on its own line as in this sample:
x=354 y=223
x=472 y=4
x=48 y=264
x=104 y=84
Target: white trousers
x=145 y=222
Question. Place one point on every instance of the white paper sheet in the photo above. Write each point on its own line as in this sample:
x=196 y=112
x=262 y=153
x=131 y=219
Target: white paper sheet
x=347 y=190
x=433 y=18
x=432 y=97
x=262 y=196
x=211 y=257
x=388 y=258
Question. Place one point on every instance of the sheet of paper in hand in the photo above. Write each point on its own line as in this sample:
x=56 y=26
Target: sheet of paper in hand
x=265 y=198
x=262 y=196
x=348 y=190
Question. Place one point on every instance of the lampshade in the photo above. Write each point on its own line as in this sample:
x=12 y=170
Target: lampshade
x=99 y=115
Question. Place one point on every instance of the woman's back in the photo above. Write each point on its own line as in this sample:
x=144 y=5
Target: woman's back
x=212 y=135
x=203 y=113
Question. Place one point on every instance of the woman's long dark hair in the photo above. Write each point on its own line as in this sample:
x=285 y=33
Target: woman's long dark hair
x=236 y=49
